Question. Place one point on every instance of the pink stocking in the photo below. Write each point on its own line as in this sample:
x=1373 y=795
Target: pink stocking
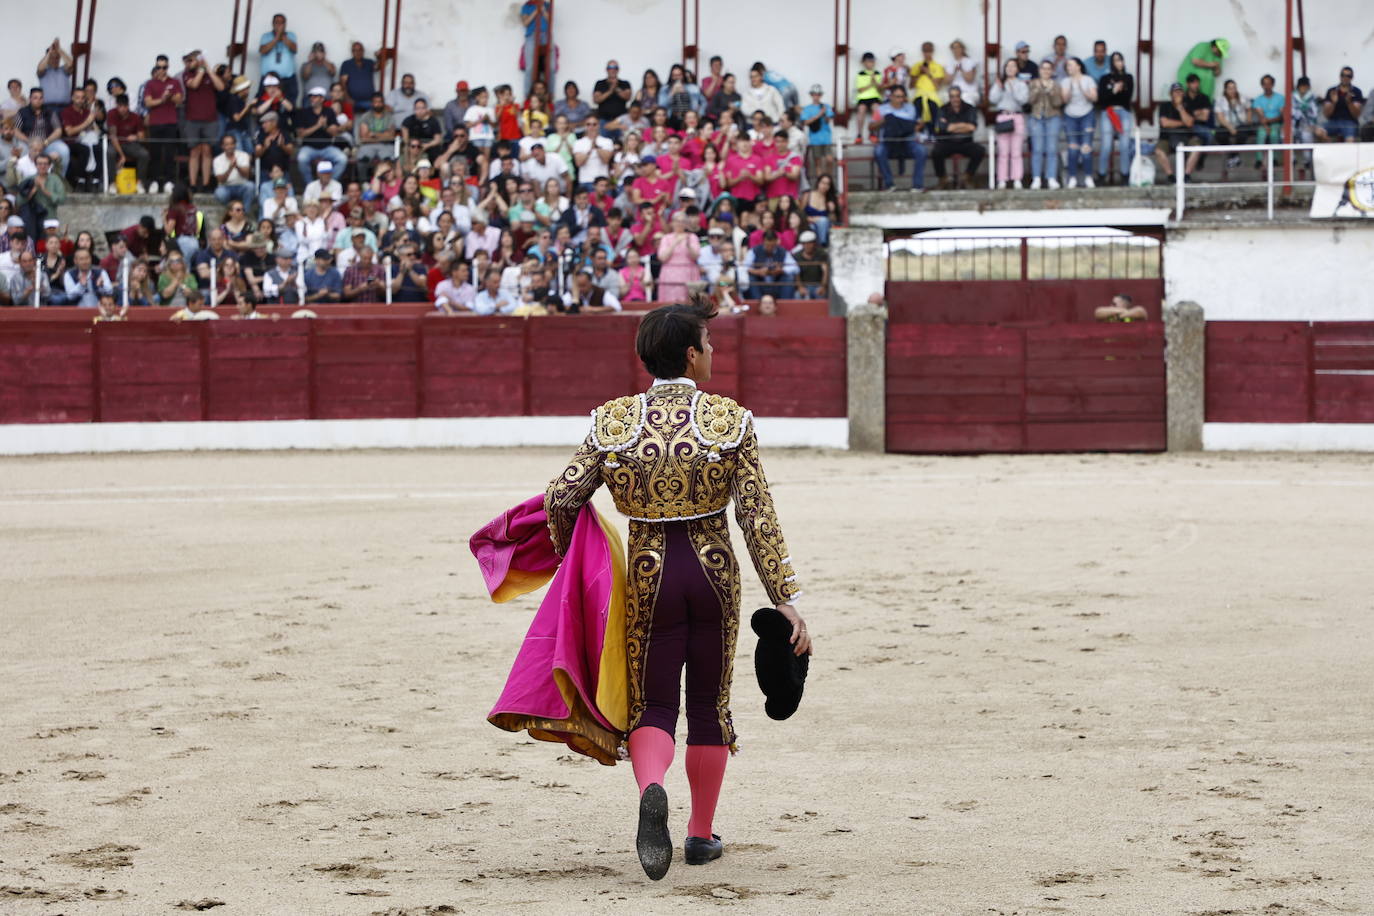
x=651 y=753
x=705 y=773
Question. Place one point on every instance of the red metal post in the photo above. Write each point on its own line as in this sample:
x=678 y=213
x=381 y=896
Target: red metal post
x=81 y=50
x=1144 y=85
x=239 y=42
x=1300 y=43
x=841 y=63
x=548 y=51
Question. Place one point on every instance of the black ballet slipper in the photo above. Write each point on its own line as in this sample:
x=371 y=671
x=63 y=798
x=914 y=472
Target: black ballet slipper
x=699 y=851
x=654 y=845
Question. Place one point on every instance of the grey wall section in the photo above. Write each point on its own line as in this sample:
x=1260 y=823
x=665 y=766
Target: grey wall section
x=858 y=267
x=1185 y=358
x=867 y=382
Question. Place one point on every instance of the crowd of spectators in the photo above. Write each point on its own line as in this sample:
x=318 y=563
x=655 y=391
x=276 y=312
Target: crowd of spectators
x=482 y=203
x=1077 y=113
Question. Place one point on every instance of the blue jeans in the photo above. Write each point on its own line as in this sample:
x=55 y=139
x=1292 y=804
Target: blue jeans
x=243 y=193
x=189 y=245
x=1044 y=134
x=1079 y=130
x=821 y=224
x=1125 y=147
x=309 y=155
x=781 y=290
x=905 y=146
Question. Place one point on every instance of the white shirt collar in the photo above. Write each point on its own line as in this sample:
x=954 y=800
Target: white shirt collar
x=673 y=381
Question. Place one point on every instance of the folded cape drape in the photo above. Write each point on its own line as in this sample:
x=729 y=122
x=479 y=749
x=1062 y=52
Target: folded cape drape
x=569 y=682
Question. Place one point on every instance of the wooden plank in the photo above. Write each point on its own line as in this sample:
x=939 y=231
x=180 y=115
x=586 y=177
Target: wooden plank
x=961 y=438
x=1343 y=398
x=1104 y=436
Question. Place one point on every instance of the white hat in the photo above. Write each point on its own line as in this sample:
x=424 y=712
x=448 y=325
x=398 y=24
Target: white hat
x=47 y=223
x=325 y=166
x=318 y=90
x=807 y=236
x=270 y=80
x=687 y=193
x=15 y=222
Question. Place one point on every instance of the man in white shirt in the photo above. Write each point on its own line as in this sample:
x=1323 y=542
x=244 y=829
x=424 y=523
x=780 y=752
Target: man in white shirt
x=586 y=297
x=284 y=283
x=709 y=258
x=280 y=203
x=963 y=72
x=540 y=167
x=233 y=170
x=313 y=191
x=759 y=96
x=592 y=154
x=455 y=295
x=492 y=299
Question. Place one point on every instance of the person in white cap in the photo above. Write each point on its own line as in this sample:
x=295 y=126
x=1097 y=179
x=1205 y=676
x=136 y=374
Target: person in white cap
x=316 y=126
x=323 y=183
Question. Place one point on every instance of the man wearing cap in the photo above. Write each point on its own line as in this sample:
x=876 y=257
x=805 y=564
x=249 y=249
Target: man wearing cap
x=280 y=203
x=201 y=115
x=813 y=268
x=611 y=96
x=1026 y=68
x=421 y=125
x=316 y=127
x=816 y=119
x=285 y=282
x=1178 y=127
x=457 y=107
x=324 y=185
x=1204 y=62
x=277 y=50
x=274 y=152
x=322 y=281
x=233 y=170
x=318 y=71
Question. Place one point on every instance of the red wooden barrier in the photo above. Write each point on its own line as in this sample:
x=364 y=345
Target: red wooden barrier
x=1290 y=372
x=349 y=368
x=1074 y=387
x=1013 y=301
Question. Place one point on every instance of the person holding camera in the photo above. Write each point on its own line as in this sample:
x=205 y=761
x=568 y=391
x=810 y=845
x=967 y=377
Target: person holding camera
x=202 y=117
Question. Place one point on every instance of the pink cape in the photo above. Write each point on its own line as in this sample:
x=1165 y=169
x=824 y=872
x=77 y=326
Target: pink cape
x=569 y=680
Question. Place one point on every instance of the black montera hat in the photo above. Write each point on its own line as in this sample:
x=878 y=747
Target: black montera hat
x=781 y=672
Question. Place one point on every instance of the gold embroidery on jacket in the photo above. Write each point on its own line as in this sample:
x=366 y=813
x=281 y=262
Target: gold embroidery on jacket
x=645 y=572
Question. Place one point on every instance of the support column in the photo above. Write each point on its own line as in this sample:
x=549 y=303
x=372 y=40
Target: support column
x=866 y=327
x=1185 y=345
x=858 y=267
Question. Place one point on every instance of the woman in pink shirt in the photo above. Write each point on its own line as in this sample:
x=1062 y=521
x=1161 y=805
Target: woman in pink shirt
x=638 y=283
x=711 y=168
x=677 y=256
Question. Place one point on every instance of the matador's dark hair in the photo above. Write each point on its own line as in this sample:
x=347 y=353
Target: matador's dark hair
x=666 y=333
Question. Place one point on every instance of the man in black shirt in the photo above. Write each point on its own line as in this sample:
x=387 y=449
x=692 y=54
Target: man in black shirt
x=1179 y=123
x=423 y=126
x=316 y=126
x=611 y=96
x=462 y=148
x=955 y=123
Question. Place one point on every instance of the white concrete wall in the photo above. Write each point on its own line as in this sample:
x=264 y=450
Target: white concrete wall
x=1311 y=272
x=446 y=40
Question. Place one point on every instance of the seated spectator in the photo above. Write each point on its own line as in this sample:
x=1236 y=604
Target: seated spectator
x=1122 y=308
x=82 y=134
x=897 y=134
x=54 y=263
x=402 y=101
x=542 y=168
x=23 y=279
x=316 y=126
x=376 y=132
x=955 y=124
x=176 y=284
x=813 y=268
x=114 y=263
x=323 y=185
x=280 y=203
x=1176 y=128
x=254 y=263
x=194 y=308
x=492 y=299
x=274 y=151
x=127 y=134
x=602 y=273
x=284 y=284
x=410 y=283
x=231 y=287
x=204 y=261
x=635 y=279
x=1096 y=66
x=771 y=268
x=1233 y=116
x=85 y=282
x=460 y=148
x=139 y=237
x=358 y=75
x=365 y=279
x=141 y=290
x=782 y=169
x=233 y=170
x=581 y=215
x=40 y=195
x=38 y=124
x=423 y=126
x=586 y=297
x=1267 y=116
x=480 y=120
x=1340 y=109
x=322 y=281
x=572 y=106
x=759 y=96
x=456 y=295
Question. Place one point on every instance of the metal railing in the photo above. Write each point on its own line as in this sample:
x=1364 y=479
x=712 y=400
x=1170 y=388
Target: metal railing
x=942 y=257
x=1268 y=149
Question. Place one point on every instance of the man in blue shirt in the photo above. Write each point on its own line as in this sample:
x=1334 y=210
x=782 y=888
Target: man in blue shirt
x=278 y=51
x=323 y=284
x=1268 y=106
x=356 y=74
x=535 y=16
x=1098 y=65
x=816 y=118
x=897 y=133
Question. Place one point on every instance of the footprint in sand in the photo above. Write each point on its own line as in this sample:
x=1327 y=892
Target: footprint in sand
x=107 y=855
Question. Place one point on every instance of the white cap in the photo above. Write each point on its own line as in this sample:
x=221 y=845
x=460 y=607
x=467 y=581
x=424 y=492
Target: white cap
x=807 y=236
x=324 y=165
x=271 y=80
x=47 y=223
x=15 y=222
x=318 y=90
x=687 y=193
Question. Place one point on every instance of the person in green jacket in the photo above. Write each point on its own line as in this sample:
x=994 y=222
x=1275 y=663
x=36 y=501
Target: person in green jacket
x=1205 y=60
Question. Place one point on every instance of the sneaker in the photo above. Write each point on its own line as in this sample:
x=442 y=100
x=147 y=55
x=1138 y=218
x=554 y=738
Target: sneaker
x=1071 y=183
x=112 y=189
x=1088 y=182
x=142 y=189
x=1053 y=184
x=1016 y=184
x=1001 y=185
x=1035 y=183
x=152 y=188
x=1233 y=162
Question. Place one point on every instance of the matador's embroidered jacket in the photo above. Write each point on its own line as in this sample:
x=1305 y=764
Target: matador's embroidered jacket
x=677 y=454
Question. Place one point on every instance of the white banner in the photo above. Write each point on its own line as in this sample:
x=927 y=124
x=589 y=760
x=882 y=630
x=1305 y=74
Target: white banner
x=1345 y=180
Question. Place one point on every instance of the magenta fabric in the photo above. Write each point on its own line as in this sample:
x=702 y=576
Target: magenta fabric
x=568 y=631
x=519 y=538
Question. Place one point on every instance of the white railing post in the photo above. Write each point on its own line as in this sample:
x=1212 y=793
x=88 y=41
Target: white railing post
x=105 y=162
x=37 y=281
x=992 y=158
x=124 y=283
x=1178 y=183
x=214 y=282
x=386 y=262
x=1269 y=180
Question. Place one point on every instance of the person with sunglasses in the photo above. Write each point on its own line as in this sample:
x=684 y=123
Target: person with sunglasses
x=611 y=97
x=161 y=96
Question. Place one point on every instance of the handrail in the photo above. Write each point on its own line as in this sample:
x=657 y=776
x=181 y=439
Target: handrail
x=1182 y=152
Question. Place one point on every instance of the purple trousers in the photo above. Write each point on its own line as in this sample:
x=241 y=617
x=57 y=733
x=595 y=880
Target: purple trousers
x=690 y=628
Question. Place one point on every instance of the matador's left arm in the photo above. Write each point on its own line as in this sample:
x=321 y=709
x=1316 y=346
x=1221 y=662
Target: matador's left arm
x=570 y=491
x=759 y=522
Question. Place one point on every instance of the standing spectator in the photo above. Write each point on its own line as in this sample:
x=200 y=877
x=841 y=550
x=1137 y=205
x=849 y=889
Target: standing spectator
x=55 y=70
x=238 y=112
x=423 y=126
x=714 y=79
x=677 y=256
x=1080 y=96
x=1026 y=68
x=455 y=109
x=896 y=73
x=963 y=72
x=592 y=153
x=507 y=114
x=1203 y=60
x=783 y=171
x=1232 y=112
x=726 y=101
x=402 y=101
x=816 y=118
x=318 y=71
x=277 y=51
x=274 y=152
x=1176 y=128
x=1060 y=58
x=649 y=88
x=955 y=124
x=898 y=132
x=1306 y=115
x=161 y=96
x=537 y=58
x=1115 y=91
x=1341 y=107
x=81 y=134
x=37 y=126
x=85 y=282
x=1268 y=115
x=233 y=170
x=868 y=95
x=611 y=95
x=1046 y=102
x=323 y=283
x=759 y=96
x=680 y=96
x=1009 y=95
x=358 y=75
x=771 y=268
x=572 y=106
x=813 y=268
x=1098 y=65
x=40 y=195
x=927 y=76
x=316 y=127
x=202 y=116
x=480 y=120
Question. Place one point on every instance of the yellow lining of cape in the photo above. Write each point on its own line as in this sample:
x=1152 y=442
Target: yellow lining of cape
x=520 y=582
x=613 y=680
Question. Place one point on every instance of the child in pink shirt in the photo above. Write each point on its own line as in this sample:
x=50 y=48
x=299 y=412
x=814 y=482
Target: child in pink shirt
x=743 y=173
x=785 y=169
x=638 y=282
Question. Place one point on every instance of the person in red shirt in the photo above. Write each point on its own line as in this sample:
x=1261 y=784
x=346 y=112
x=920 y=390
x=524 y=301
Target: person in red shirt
x=202 y=117
x=507 y=115
x=743 y=173
x=784 y=171
x=647 y=232
x=127 y=134
x=161 y=96
x=78 y=119
x=650 y=187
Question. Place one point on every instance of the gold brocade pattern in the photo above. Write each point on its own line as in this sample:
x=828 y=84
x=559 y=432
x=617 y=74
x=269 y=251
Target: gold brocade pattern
x=645 y=571
x=568 y=492
x=759 y=523
x=711 y=541
x=617 y=423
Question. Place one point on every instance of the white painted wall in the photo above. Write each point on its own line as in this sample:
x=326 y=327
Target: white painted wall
x=1295 y=273
x=446 y=40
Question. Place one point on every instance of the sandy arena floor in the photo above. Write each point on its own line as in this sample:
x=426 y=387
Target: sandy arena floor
x=1090 y=685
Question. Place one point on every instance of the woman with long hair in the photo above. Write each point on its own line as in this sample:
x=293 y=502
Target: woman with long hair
x=1080 y=95
x=649 y=88
x=141 y=291
x=231 y=288
x=821 y=205
x=1233 y=116
x=175 y=281
x=1046 y=102
x=1115 y=101
x=236 y=227
x=1008 y=95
